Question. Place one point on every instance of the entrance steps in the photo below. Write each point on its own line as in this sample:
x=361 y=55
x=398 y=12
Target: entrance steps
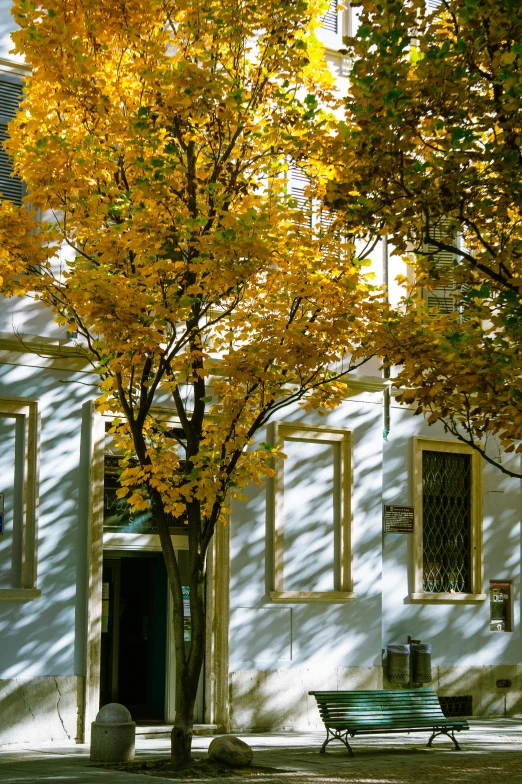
x=160 y=731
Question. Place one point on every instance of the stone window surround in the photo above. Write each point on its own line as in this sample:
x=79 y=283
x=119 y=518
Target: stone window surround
x=218 y=586
x=28 y=409
x=275 y=521
x=420 y=444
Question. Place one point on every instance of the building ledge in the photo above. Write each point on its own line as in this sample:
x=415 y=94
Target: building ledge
x=19 y=594
x=448 y=598
x=152 y=731
x=333 y=597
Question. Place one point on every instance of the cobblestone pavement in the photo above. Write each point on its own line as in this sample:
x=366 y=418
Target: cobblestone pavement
x=491 y=754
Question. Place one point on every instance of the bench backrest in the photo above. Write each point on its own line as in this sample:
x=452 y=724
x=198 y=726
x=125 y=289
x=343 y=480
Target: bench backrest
x=398 y=707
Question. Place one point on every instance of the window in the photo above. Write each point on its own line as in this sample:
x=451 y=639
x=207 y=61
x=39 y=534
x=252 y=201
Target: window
x=309 y=514
x=10 y=96
x=117 y=514
x=448 y=526
x=314 y=215
x=18 y=486
x=331 y=17
x=443 y=298
x=335 y=25
x=297 y=184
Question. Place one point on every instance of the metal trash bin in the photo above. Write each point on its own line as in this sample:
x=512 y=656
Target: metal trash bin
x=421 y=662
x=398 y=660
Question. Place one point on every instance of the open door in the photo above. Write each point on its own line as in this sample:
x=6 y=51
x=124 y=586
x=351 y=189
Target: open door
x=134 y=635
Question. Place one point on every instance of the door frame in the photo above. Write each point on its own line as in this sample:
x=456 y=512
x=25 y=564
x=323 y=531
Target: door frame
x=216 y=694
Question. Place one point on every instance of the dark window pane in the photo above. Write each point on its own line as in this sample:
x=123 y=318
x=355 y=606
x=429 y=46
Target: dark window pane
x=446 y=522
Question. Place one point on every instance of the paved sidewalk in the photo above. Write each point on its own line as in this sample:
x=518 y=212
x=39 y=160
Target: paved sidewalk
x=492 y=754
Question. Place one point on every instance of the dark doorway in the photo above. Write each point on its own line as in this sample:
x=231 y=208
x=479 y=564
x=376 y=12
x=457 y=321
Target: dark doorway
x=134 y=629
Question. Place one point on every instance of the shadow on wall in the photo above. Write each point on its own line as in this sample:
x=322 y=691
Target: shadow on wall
x=279 y=699
x=468 y=658
x=42 y=656
x=280 y=652
x=23 y=316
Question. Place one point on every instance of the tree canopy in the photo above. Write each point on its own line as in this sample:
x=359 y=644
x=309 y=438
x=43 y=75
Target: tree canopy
x=155 y=140
x=429 y=155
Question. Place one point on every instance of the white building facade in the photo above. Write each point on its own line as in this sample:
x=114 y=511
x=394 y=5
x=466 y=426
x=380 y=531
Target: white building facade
x=305 y=587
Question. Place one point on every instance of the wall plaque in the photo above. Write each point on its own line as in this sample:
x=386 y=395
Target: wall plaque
x=399 y=519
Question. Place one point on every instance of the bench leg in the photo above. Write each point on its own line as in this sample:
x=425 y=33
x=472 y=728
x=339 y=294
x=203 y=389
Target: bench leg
x=333 y=735
x=449 y=733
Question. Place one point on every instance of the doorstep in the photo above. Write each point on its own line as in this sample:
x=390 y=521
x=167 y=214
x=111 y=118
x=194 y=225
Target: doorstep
x=163 y=730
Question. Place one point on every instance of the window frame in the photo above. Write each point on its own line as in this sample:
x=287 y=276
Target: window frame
x=333 y=42
x=432 y=444
x=275 y=513
x=28 y=409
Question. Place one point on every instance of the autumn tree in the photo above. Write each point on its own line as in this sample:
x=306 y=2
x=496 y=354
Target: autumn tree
x=155 y=140
x=429 y=155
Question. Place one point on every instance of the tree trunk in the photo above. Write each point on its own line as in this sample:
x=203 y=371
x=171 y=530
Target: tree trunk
x=188 y=668
x=181 y=736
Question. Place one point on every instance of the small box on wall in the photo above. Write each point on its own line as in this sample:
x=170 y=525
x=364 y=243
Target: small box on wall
x=500 y=604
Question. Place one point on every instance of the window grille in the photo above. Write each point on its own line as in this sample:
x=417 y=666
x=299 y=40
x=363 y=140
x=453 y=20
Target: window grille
x=10 y=96
x=446 y=522
x=456 y=706
x=331 y=18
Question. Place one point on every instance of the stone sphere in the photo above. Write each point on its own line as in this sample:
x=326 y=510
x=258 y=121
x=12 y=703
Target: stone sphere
x=113 y=713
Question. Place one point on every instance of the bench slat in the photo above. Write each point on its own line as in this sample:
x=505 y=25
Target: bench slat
x=390 y=693
x=370 y=713
x=399 y=724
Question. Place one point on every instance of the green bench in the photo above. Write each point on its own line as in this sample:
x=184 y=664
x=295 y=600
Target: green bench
x=350 y=713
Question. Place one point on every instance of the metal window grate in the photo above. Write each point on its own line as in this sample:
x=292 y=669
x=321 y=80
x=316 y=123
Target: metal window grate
x=446 y=522
x=456 y=706
x=330 y=19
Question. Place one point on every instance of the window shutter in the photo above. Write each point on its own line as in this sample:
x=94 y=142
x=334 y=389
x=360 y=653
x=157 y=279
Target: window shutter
x=442 y=299
x=331 y=18
x=297 y=185
x=432 y=5
x=10 y=96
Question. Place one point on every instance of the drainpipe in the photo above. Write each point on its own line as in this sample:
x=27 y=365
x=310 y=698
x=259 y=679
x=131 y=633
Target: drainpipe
x=386 y=372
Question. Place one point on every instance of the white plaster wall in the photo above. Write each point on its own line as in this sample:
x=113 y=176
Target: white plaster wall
x=7 y=26
x=280 y=652
x=279 y=699
x=39 y=710
x=46 y=636
x=20 y=315
x=459 y=633
x=308 y=645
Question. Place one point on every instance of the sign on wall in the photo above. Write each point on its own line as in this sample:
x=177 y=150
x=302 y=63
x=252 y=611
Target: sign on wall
x=399 y=519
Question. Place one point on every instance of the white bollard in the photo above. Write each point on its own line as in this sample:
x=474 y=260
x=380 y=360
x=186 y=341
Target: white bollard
x=113 y=734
